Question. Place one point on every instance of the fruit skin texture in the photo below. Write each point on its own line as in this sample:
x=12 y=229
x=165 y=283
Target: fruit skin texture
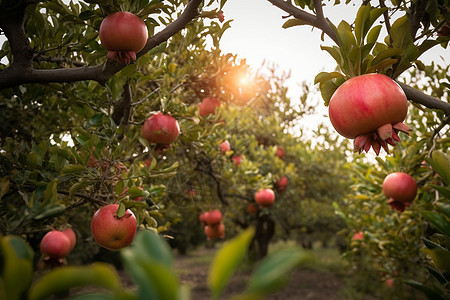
x=369 y=108
x=161 y=129
x=123 y=34
x=265 y=197
x=110 y=231
x=225 y=146
x=55 y=244
x=213 y=217
x=71 y=236
x=400 y=189
x=215 y=231
x=208 y=106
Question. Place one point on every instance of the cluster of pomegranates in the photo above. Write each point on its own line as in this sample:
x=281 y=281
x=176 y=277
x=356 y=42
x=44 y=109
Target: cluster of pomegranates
x=214 y=228
x=370 y=109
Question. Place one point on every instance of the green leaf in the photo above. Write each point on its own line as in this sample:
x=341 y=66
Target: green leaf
x=51 y=192
x=440 y=162
x=430 y=292
x=227 y=260
x=17 y=266
x=72 y=169
x=431 y=245
x=149 y=261
x=64 y=278
x=294 y=22
x=438 y=221
x=272 y=273
x=335 y=53
x=324 y=76
x=375 y=13
x=388 y=53
x=49 y=211
x=436 y=274
x=327 y=90
x=362 y=17
x=440 y=257
x=444 y=208
x=381 y=65
x=373 y=35
x=121 y=210
x=4 y=186
x=400 y=33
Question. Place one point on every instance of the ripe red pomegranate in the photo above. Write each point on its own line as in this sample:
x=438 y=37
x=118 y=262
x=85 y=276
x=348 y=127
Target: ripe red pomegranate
x=110 y=231
x=282 y=183
x=203 y=217
x=55 y=244
x=358 y=236
x=215 y=231
x=280 y=152
x=265 y=197
x=123 y=34
x=225 y=146
x=213 y=217
x=400 y=189
x=208 y=106
x=72 y=237
x=161 y=129
x=369 y=108
x=237 y=159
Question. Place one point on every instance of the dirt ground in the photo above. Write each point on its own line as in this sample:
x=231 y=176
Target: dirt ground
x=305 y=283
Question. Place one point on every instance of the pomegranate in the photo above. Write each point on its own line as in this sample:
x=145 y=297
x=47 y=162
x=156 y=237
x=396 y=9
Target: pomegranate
x=123 y=34
x=110 y=231
x=369 y=108
x=208 y=106
x=237 y=159
x=282 y=183
x=265 y=197
x=213 y=217
x=72 y=237
x=161 y=129
x=400 y=189
x=215 y=231
x=358 y=236
x=55 y=244
x=203 y=217
x=280 y=152
x=225 y=146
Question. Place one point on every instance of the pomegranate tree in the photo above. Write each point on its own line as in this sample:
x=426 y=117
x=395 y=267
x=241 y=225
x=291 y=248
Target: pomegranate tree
x=370 y=109
x=161 y=129
x=400 y=189
x=123 y=34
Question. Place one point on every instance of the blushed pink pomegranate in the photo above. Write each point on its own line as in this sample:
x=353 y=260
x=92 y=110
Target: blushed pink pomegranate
x=55 y=244
x=265 y=197
x=400 y=189
x=213 y=217
x=208 y=106
x=123 y=34
x=370 y=109
x=161 y=129
x=215 y=231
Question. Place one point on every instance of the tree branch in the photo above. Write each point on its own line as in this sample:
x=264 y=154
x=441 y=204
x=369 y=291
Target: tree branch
x=318 y=20
x=418 y=97
x=21 y=71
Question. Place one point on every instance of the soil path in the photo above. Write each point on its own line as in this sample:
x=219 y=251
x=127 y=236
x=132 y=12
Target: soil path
x=305 y=284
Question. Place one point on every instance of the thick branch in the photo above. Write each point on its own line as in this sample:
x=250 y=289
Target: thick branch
x=19 y=74
x=318 y=21
x=418 y=97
